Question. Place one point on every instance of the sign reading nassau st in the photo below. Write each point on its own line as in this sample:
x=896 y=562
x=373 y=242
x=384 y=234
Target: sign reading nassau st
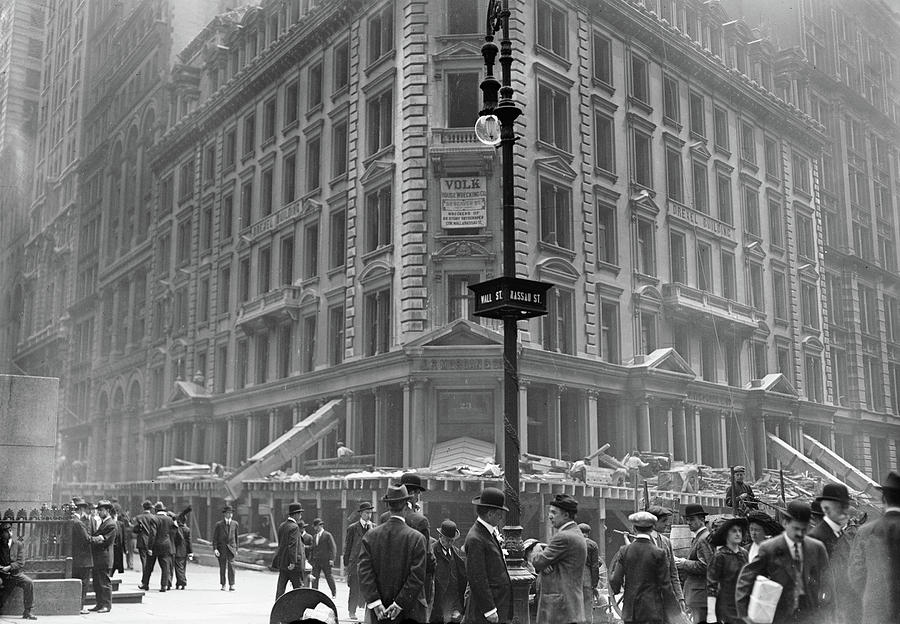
x=510 y=297
x=463 y=202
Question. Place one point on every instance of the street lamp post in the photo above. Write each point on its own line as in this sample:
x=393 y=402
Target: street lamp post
x=508 y=297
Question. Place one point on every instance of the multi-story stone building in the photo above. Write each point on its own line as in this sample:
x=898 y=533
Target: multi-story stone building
x=843 y=70
x=21 y=54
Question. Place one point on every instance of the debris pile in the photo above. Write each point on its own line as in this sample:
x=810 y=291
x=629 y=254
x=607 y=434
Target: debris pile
x=184 y=470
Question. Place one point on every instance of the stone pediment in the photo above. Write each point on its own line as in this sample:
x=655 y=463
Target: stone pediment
x=461 y=50
x=186 y=391
x=773 y=382
x=462 y=332
x=699 y=150
x=377 y=169
x=556 y=165
x=666 y=359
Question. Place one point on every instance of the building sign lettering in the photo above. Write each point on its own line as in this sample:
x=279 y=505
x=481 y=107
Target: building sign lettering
x=701 y=220
x=464 y=202
x=512 y=297
x=463 y=364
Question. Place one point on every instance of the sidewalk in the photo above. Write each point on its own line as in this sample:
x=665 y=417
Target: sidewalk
x=201 y=603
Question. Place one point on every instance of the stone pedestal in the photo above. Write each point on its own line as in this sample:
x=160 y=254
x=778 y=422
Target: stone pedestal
x=28 y=422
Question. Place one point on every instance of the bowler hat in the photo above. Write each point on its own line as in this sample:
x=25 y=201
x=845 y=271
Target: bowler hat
x=412 y=481
x=396 y=493
x=491 y=497
x=798 y=511
x=227 y=509
x=694 y=510
x=147 y=505
x=364 y=506
x=721 y=533
x=77 y=501
x=835 y=492
x=585 y=528
x=565 y=502
x=448 y=529
x=294 y=508
x=815 y=508
x=892 y=482
x=103 y=504
x=159 y=506
x=767 y=522
x=642 y=519
x=659 y=511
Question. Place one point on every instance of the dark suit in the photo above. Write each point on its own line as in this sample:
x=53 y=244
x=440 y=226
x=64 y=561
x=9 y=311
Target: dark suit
x=352 y=545
x=449 y=583
x=144 y=529
x=419 y=522
x=590 y=578
x=642 y=569
x=874 y=569
x=119 y=546
x=183 y=548
x=163 y=552
x=321 y=557
x=392 y=569
x=290 y=551
x=845 y=602
x=82 y=559
x=225 y=541
x=102 y=541
x=13 y=555
x=489 y=584
x=693 y=574
x=776 y=562
x=561 y=566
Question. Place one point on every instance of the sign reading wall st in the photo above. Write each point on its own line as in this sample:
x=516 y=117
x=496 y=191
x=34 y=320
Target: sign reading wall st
x=505 y=297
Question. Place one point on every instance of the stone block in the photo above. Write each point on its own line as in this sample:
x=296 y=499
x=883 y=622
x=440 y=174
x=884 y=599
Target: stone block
x=51 y=597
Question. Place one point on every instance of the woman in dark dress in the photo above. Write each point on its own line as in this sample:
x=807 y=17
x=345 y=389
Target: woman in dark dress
x=722 y=572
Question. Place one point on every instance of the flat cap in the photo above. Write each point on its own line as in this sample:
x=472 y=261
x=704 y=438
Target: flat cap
x=642 y=519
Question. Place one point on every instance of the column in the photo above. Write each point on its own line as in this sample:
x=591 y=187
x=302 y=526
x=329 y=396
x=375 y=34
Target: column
x=230 y=434
x=679 y=427
x=379 y=427
x=295 y=418
x=421 y=443
x=147 y=443
x=643 y=425
x=523 y=415
x=593 y=426
x=273 y=426
x=601 y=527
x=126 y=459
x=353 y=428
x=553 y=422
x=167 y=447
x=801 y=443
x=723 y=437
x=670 y=433
x=407 y=426
x=698 y=439
x=252 y=428
x=196 y=447
x=761 y=454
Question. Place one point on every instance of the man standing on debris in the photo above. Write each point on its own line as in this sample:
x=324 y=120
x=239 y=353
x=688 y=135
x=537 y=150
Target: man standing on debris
x=352 y=545
x=591 y=575
x=322 y=556
x=224 y=543
x=145 y=525
x=289 y=559
x=835 y=501
x=875 y=560
x=693 y=569
x=82 y=559
x=561 y=566
x=392 y=565
x=490 y=590
x=744 y=493
x=663 y=522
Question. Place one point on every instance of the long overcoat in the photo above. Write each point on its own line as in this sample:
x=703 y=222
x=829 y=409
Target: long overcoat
x=561 y=566
x=874 y=569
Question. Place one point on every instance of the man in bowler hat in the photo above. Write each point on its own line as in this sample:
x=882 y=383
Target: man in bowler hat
x=835 y=501
x=798 y=563
x=874 y=571
x=449 y=576
x=161 y=549
x=144 y=530
x=692 y=570
x=82 y=557
x=352 y=545
x=489 y=597
x=102 y=552
x=224 y=543
x=392 y=565
x=289 y=559
x=561 y=566
x=322 y=556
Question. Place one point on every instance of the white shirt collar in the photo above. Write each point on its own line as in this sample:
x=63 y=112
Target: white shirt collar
x=292 y=520
x=892 y=510
x=491 y=528
x=401 y=518
x=645 y=536
x=700 y=530
x=835 y=527
x=790 y=544
x=364 y=523
x=563 y=527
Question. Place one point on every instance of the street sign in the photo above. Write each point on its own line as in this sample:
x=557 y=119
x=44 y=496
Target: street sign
x=505 y=297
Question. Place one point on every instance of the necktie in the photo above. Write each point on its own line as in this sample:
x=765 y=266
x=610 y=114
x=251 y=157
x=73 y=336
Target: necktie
x=798 y=576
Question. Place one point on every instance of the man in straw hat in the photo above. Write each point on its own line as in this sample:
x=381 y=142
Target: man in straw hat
x=693 y=569
x=392 y=565
x=490 y=590
x=874 y=570
x=352 y=545
x=290 y=558
x=102 y=552
x=796 y=562
x=641 y=568
x=834 y=502
x=224 y=543
x=449 y=576
x=561 y=566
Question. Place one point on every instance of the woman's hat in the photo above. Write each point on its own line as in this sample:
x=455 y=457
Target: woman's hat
x=721 y=533
x=396 y=493
x=767 y=522
x=448 y=529
x=491 y=497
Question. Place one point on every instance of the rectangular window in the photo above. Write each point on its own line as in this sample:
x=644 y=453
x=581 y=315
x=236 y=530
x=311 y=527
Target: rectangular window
x=289 y=179
x=708 y=365
x=553 y=117
x=309 y=344
x=230 y=152
x=892 y=318
x=640 y=80
x=674 y=182
x=643 y=171
x=181 y=310
x=186 y=180
x=339 y=149
x=556 y=215
x=701 y=187
x=203 y=300
x=605 y=143
x=249 y=134
x=206 y=228
x=463 y=99
x=839 y=374
x=240 y=366
x=264 y=274
x=314 y=86
x=800 y=170
x=209 y=164
x=606 y=235
x=751 y=211
x=646 y=256
x=377 y=311
x=814 y=390
x=378 y=219
x=678 y=257
x=459 y=297
x=729 y=286
x=772 y=157
x=779 y=295
x=244 y=280
x=183 y=243
x=284 y=342
x=286 y=255
x=337 y=251
x=809 y=305
x=873 y=383
x=776 y=224
x=698 y=115
x=806 y=243
x=783 y=359
x=558 y=327
x=551 y=28
x=246 y=205
x=341 y=66
x=609 y=332
x=266 y=191
x=723 y=191
x=720 y=118
x=311 y=250
x=670 y=99
x=834 y=292
x=270 y=110
x=868 y=311
x=757 y=298
x=224 y=286
x=602 y=59
x=336 y=321
x=748 y=143
x=313 y=156
x=704 y=267
x=291 y=103
x=379 y=116
x=221 y=365
x=731 y=354
x=648 y=332
x=381 y=33
x=227 y=215
x=262 y=357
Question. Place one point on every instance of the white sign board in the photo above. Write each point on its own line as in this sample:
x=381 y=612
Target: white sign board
x=463 y=202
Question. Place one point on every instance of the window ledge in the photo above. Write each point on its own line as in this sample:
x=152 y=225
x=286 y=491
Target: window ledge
x=802 y=193
x=387 y=150
x=550 y=147
x=672 y=123
x=608 y=267
x=313 y=110
x=381 y=59
x=309 y=281
x=772 y=178
x=644 y=106
x=229 y=168
x=340 y=91
x=722 y=149
x=697 y=136
x=607 y=175
x=247 y=156
x=544 y=51
x=603 y=86
x=748 y=164
x=268 y=141
x=384 y=250
x=646 y=278
x=292 y=125
x=342 y=177
x=335 y=271
x=556 y=249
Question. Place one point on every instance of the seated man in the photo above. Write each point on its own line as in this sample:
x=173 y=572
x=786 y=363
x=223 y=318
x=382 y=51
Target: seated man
x=12 y=558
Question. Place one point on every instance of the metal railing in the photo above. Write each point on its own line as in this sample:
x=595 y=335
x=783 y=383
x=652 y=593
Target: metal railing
x=46 y=535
